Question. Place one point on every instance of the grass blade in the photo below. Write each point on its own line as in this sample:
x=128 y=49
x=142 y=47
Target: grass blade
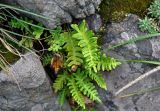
x=139 y=38
x=24 y=11
x=141 y=61
x=140 y=92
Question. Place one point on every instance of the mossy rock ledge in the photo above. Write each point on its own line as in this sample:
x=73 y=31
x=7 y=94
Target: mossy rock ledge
x=117 y=9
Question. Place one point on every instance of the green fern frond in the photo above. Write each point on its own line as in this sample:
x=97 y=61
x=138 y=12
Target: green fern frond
x=85 y=86
x=55 y=41
x=37 y=32
x=62 y=95
x=88 y=43
x=27 y=42
x=98 y=78
x=74 y=56
x=17 y=23
x=75 y=92
x=46 y=59
x=107 y=63
x=60 y=82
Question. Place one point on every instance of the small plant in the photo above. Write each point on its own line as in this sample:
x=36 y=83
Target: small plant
x=148 y=25
x=54 y=41
x=82 y=64
x=154 y=9
x=30 y=32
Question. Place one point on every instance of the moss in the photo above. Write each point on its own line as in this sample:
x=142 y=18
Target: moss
x=11 y=58
x=117 y=9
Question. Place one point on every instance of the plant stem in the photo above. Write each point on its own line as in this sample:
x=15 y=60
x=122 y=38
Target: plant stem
x=138 y=79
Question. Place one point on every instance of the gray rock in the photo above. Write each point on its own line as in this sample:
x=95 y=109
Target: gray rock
x=94 y=22
x=125 y=73
x=58 y=11
x=27 y=88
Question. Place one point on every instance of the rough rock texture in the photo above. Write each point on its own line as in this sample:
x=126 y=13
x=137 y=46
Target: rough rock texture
x=58 y=11
x=116 y=79
x=36 y=93
x=94 y=22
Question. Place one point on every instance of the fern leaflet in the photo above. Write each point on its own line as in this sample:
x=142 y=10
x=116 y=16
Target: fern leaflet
x=98 y=78
x=107 y=63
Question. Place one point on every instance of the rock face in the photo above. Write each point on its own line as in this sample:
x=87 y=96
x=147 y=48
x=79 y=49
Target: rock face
x=125 y=73
x=58 y=11
x=27 y=88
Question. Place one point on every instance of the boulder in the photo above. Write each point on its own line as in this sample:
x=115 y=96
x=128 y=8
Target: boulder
x=26 y=87
x=143 y=50
x=58 y=11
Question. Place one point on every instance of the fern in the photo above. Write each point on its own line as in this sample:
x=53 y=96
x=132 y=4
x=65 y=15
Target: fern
x=85 y=86
x=75 y=92
x=81 y=47
x=60 y=82
x=107 y=63
x=55 y=41
x=74 y=56
x=88 y=43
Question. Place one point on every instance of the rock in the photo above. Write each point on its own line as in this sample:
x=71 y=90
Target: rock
x=58 y=11
x=125 y=73
x=94 y=22
x=27 y=88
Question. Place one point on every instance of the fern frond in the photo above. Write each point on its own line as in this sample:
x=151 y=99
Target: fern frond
x=55 y=41
x=17 y=23
x=27 y=42
x=60 y=81
x=75 y=92
x=107 y=63
x=85 y=86
x=74 y=51
x=62 y=95
x=88 y=43
x=98 y=78
x=46 y=59
x=37 y=32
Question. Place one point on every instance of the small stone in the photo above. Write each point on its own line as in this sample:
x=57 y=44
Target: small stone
x=94 y=22
x=37 y=107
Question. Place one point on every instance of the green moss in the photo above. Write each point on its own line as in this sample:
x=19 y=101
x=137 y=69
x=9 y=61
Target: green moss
x=117 y=9
x=11 y=58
